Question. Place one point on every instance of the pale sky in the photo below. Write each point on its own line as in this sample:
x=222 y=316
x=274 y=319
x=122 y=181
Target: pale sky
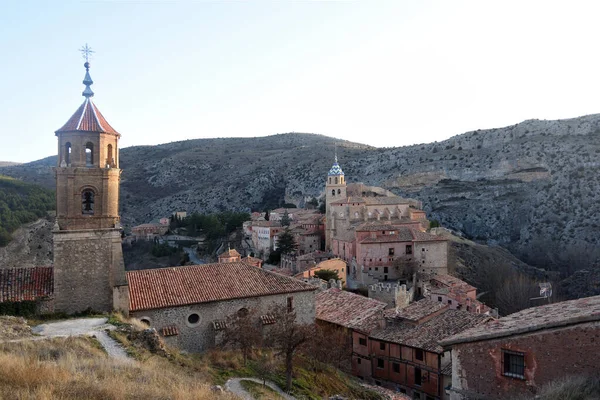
x=384 y=73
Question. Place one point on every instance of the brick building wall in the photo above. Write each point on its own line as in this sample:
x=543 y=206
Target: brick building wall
x=202 y=335
x=477 y=368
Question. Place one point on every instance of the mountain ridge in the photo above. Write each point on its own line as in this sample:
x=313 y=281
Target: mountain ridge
x=528 y=187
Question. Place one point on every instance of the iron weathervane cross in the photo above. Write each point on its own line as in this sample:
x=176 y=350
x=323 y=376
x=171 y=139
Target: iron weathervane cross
x=86 y=52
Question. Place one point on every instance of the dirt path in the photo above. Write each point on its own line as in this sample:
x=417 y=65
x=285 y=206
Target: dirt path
x=234 y=386
x=84 y=327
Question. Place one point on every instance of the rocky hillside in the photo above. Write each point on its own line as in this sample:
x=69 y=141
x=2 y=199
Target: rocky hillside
x=532 y=187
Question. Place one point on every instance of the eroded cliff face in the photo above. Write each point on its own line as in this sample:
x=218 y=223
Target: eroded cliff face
x=531 y=187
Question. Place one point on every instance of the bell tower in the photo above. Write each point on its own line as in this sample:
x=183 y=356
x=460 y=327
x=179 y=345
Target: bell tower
x=335 y=190
x=88 y=259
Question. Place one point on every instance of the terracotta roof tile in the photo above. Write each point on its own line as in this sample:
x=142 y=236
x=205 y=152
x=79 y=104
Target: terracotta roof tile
x=26 y=284
x=178 y=286
x=229 y=253
x=416 y=311
x=428 y=335
x=348 y=309
x=88 y=118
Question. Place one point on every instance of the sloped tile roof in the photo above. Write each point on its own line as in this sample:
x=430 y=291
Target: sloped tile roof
x=178 y=286
x=229 y=253
x=402 y=234
x=429 y=334
x=26 y=284
x=348 y=309
x=88 y=118
x=532 y=319
x=417 y=310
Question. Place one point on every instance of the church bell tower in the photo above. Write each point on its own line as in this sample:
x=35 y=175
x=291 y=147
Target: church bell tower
x=335 y=190
x=89 y=270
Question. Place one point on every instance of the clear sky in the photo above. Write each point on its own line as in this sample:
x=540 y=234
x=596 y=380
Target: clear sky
x=385 y=73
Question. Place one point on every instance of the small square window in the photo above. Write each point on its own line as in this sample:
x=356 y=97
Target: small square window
x=362 y=341
x=381 y=346
x=391 y=251
x=409 y=249
x=396 y=368
x=449 y=301
x=513 y=364
x=385 y=270
x=439 y=298
x=419 y=354
x=358 y=361
x=380 y=363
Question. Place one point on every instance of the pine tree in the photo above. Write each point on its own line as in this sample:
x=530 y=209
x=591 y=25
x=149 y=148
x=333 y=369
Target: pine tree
x=286 y=243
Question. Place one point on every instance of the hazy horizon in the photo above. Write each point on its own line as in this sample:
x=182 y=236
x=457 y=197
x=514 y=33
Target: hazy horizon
x=385 y=74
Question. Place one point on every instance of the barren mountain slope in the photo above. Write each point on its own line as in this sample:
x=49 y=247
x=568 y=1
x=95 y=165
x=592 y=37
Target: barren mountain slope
x=532 y=187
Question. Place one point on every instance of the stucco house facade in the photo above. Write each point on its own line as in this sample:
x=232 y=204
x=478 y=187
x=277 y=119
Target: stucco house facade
x=189 y=305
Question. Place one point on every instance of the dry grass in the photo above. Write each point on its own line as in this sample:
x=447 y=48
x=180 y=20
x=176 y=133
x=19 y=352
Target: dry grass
x=572 y=388
x=75 y=368
x=14 y=328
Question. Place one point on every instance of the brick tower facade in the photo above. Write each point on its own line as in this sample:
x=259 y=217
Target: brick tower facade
x=89 y=270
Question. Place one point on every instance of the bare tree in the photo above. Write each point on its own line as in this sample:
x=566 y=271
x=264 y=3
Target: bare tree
x=243 y=332
x=264 y=367
x=515 y=293
x=329 y=345
x=288 y=335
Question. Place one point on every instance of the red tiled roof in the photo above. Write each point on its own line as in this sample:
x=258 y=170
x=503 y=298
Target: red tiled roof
x=26 y=284
x=255 y=262
x=229 y=253
x=178 y=286
x=417 y=310
x=88 y=118
x=428 y=335
x=348 y=309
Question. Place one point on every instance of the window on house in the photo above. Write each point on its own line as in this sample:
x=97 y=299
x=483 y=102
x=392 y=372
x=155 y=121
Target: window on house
x=68 y=153
x=419 y=354
x=242 y=312
x=87 y=202
x=362 y=341
x=408 y=249
x=418 y=377
x=439 y=298
x=290 y=304
x=391 y=251
x=513 y=364
x=376 y=268
x=381 y=346
x=396 y=367
x=333 y=192
x=339 y=191
x=468 y=308
x=385 y=270
x=193 y=318
x=450 y=302
x=380 y=363
x=89 y=154
x=109 y=156
x=358 y=360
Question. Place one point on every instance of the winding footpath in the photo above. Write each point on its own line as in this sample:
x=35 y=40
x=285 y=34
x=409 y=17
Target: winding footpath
x=234 y=386
x=95 y=327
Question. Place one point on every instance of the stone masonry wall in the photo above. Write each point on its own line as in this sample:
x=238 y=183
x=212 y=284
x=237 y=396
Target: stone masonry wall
x=201 y=336
x=549 y=355
x=87 y=265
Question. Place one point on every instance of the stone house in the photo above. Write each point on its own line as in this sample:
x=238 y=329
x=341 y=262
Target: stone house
x=333 y=265
x=264 y=236
x=149 y=231
x=407 y=356
x=230 y=255
x=189 y=305
x=299 y=263
x=516 y=355
x=455 y=292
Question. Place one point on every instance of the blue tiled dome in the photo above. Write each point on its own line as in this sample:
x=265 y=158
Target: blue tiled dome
x=335 y=170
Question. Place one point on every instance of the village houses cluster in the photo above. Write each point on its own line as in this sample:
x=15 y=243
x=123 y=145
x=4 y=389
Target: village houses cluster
x=409 y=325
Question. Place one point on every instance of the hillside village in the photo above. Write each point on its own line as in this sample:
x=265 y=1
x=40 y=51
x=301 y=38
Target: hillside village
x=368 y=269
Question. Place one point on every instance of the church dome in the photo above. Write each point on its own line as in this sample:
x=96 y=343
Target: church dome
x=335 y=170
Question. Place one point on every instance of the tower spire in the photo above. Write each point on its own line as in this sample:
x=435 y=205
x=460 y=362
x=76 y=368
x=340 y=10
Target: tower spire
x=86 y=52
x=335 y=152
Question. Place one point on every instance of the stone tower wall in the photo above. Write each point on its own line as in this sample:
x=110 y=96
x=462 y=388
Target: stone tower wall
x=88 y=265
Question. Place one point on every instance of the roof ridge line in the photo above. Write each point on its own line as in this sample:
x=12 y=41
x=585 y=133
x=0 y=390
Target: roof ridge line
x=82 y=113
x=96 y=116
